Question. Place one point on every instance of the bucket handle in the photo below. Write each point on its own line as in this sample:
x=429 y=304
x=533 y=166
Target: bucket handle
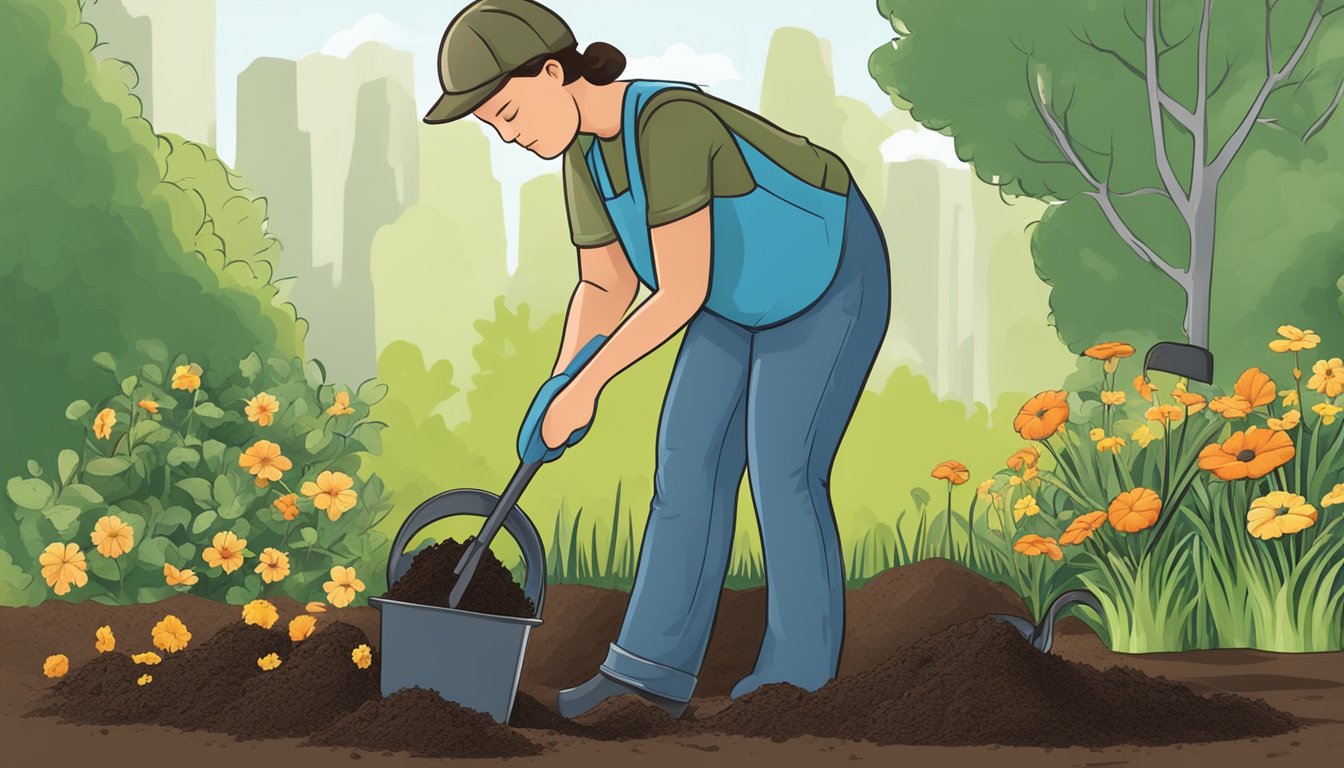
x=480 y=503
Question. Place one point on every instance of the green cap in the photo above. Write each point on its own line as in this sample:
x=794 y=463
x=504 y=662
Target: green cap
x=484 y=43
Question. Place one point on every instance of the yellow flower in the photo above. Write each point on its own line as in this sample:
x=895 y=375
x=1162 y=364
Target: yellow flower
x=343 y=586
x=1144 y=387
x=1165 y=414
x=985 y=487
x=56 y=665
x=1032 y=545
x=1112 y=444
x=263 y=459
x=1111 y=365
x=1327 y=412
x=1327 y=377
x=301 y=627
x=1230 y=406
x=331 y=492
x=1294 y=339
x=1277 y=513
x=102 y=423
x=288 y=505
x=1030 y=473
x=315 y=607
x=187 y=377
x=63 y=564
x=1289 y=397
x=1096 y=433
x=148 y=657
x=342 y=405
x=269 y=661
x=362 y=656
x=105 y=641
x=1335 y=496
x=1112 y=397
x=1289 y=421
x=170 y=634
x=1024 y=507
x=1143 y=436
x=149 y=405
x=1082 y=527
x=1135 y=510
x=112 y=537
x=174 y=577
x=1015 y=481
x=260 y=612
x=274 y=565
x=262 y=409
x=144 y=680
x=227 y=552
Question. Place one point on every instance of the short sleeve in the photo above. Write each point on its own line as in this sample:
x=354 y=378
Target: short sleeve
x=589 y=224
x=677 y=144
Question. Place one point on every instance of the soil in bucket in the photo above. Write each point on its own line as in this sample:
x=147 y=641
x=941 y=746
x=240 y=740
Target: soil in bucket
x=981 y=682
x=430 y=580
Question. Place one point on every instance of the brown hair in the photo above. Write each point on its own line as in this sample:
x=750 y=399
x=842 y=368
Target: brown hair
x=599 y=64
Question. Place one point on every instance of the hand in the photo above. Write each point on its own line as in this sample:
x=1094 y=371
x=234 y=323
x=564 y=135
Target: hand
x=570 y=410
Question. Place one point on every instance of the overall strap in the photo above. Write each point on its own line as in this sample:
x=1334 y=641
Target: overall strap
x=638 y=93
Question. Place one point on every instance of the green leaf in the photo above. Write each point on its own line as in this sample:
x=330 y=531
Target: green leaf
x=173 y=517
x=214 y=454
x=240 y=595
x=106 y=361
x=316 y=440
x=183 y=455
x=209 y=410
x=128 y=384
x=224 y=493
x=29 y=493
x=34 y=468
x=309 y=535
x=62 y=516
x=152 y=373
x=80 y=495
x=315 y=373
x=250 y=366
x=77 y=410
x=153 y=349
x=241 y=528
x=66 y=463
x=154 y=594
x=203 y=522
x=371 y=392
x=107 y=466
x=104 y=568
x=199 y=488
x=155 y=552
x=149 y=432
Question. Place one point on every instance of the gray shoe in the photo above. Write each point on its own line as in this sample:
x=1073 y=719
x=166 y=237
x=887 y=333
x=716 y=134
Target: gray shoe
x=575 y=701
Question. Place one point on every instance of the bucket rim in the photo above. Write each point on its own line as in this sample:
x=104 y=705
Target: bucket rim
x=531 y=621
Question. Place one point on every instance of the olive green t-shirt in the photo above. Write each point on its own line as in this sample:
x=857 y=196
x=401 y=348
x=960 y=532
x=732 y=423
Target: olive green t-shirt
x=687 y=156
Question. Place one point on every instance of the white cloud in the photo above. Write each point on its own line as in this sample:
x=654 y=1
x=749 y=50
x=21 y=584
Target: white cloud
x=374 y=26
x=681 y=62
x=921 y=143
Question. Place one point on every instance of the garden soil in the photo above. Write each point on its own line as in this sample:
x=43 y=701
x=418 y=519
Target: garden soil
x=430 y=580
x=941 y=677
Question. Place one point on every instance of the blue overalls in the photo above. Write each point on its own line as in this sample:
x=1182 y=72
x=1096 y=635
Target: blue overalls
x=767 y=376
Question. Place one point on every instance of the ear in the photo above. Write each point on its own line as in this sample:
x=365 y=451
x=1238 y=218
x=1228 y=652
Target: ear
x=552 y=68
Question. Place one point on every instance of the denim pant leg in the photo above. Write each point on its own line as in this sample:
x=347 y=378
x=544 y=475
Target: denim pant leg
x=806 y=378
x=701 y=456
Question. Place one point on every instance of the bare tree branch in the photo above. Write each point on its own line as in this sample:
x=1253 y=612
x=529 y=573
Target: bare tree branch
x=1201 y=106
x=1227 y=70
x=1169 y=180
x=1325 y=117
x=1174 y=107
x=1099 y=191
x=1238 y=137
x=1144 y=191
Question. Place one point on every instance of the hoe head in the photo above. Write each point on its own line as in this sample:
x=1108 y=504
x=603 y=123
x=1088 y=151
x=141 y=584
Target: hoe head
x=1042 y=636
x=1188 y=360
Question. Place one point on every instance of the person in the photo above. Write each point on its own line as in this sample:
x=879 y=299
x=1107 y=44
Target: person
x=760 y=245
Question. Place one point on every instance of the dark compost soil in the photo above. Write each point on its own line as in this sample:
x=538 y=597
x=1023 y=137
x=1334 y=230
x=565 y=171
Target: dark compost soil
x=430 y=580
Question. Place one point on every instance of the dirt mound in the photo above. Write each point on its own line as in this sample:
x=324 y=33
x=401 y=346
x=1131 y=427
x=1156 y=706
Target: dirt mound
x=980 y=682
x=531 y=713
x=313 y=686
x=419 y=721
x=430 y=580
x=627 y=717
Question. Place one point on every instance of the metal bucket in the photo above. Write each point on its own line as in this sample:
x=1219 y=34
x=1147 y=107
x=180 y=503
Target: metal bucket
x=473 y=659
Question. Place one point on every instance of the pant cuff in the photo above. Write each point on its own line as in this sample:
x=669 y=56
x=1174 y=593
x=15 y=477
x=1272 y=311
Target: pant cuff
x=668 y=682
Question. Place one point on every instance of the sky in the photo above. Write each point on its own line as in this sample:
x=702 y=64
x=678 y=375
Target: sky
x=721 y=43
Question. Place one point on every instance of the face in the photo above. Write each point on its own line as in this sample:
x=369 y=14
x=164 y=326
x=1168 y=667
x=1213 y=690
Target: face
x=536 y=113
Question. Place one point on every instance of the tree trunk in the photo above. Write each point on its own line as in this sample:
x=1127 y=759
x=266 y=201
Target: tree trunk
x=1200 y=283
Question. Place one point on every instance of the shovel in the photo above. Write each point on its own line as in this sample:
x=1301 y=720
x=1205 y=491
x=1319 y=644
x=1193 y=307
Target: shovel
x=1042 y=636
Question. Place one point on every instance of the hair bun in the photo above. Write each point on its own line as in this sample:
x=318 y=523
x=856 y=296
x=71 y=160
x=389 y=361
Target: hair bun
x=604 y=63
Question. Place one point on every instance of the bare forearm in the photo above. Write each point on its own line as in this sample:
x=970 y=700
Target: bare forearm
x=654 y=322
x=592 y=311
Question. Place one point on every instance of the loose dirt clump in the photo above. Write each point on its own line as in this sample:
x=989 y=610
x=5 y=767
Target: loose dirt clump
x=980 y=682
x=430 y=580
x=627 y=717
x=530 y=713
x=313 y=686
x=419 y=721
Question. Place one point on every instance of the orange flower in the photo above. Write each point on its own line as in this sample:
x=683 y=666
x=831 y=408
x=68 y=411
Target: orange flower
x=1042 y=415
x=288 y=505
x=1250 y=454
x=952 y=471
x=1288 y=422
x=269 y=661
x=343 y=586
x=63 y=564
x=262 y=409
x=1165 y=414
x=102 y=423
x=170 y=634
x=263 y=459
x=342 y=405
x=149 y=658
x=112 y=537
x=1029 y=473
x=1193 y=402
x=1132 y=511
x=1230 y=406
x=331 y=492
x=56 y=665
x=149 y=405
x=315 y=607
x=260 y=612
x=1144 y=388
x=1109 y=349
x=104 y=640
x=144 y=680
x=187 y=377
x=1032 y=545
x=1294 y=339
x=1112 y=444
x=1255 y=387
x=174 y=577
x=1024 y=457
x=1082 y=527
x=362 y=655
x=301 y=627
x=274 y=565
x=1327 y=377
x=227 y=552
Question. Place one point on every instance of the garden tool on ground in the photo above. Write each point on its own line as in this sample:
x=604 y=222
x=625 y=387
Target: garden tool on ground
x=1042 y=636
x=1188 y=360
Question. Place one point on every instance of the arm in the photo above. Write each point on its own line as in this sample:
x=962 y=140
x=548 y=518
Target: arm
x=606 y=289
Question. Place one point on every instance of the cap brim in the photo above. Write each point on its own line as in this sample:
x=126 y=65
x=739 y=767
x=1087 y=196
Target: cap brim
x=452 y=106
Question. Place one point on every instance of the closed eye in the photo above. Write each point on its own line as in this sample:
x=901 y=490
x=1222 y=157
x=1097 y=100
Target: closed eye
x=510 y=118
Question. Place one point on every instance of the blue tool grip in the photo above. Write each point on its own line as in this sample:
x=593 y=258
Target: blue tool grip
x=531 y=448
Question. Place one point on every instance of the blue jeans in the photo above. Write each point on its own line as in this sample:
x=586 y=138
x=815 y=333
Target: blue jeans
x=779 y=400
